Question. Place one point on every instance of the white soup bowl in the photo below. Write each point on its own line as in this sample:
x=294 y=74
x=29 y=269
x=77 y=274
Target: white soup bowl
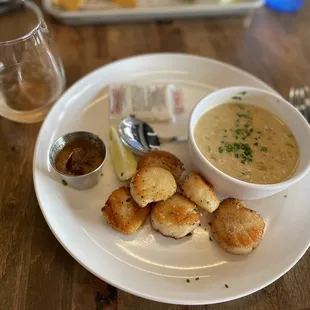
x=232 y=187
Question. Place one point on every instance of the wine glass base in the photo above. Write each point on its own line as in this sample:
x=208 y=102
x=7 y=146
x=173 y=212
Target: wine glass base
x=29 y=117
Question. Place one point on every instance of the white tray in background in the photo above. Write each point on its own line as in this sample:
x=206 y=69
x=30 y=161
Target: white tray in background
x=104 y=14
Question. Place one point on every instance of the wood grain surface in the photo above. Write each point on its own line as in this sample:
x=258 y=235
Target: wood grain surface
x=36 y=273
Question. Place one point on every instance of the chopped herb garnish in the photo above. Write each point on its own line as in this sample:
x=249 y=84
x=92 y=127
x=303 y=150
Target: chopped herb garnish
x=242 y=131
x=171 y=212
x=188 y=280
x=243 y=93
x=243 y=115
x=229 y=148
x=246 y=152
x=263 y=149
x=226 y=286
x=256 y=143
x=236 y=146
x=197 y=279
x=210 y=239
x=259 y=132
x=122 y=174
x=64 y=182
x=236 y=98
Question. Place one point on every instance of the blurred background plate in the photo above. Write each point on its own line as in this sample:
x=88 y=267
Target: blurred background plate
x=95 y=11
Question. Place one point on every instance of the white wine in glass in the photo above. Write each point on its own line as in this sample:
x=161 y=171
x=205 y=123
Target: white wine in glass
x=31 y=71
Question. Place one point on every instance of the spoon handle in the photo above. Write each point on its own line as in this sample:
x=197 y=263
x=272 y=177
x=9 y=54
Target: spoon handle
x=173 y=139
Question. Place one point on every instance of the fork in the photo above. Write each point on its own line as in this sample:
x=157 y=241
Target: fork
x=299 y=98
x=7 y=6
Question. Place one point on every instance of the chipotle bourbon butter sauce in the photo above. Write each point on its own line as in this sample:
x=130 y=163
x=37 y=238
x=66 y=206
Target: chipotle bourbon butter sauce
x=79 y=157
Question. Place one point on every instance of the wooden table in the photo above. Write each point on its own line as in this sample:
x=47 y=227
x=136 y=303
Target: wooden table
x=35 y=271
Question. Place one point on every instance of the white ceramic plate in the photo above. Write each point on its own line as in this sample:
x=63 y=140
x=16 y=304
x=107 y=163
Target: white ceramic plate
x=148 y=264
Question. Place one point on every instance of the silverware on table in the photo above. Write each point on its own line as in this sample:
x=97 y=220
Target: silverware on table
x=140 y=137
x=300 y=99
x=7 y=6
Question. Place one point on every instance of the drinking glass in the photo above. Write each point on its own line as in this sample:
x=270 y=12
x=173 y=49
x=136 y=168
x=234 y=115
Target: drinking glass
x=31 y=71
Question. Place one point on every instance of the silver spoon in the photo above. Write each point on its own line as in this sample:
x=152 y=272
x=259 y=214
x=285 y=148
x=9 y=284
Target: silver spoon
x=140 y=137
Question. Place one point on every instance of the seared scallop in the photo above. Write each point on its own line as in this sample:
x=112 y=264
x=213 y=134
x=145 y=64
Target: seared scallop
x=175 y=217
x=151 y=184
x=123 y=213
x=198 y=190
x=237 y=229
x=164 y=160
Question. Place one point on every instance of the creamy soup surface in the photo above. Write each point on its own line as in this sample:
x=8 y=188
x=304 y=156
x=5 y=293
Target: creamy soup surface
x=248 y=143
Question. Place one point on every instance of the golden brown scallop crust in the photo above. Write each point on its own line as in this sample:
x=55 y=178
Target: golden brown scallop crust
x=164 y=160
x=237 y=229
x=151 y=184
x=175 y=217
x=198 y=190
x=176 y=210
x=123 y=213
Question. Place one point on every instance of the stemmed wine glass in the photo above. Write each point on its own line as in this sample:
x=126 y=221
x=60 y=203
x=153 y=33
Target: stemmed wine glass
x=31 y=71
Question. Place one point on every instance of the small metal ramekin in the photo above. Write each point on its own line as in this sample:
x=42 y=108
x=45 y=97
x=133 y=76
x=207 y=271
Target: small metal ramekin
x=80 y=182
